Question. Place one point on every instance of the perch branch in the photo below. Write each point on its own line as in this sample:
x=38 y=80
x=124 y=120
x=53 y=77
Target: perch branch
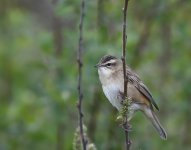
x=126 y=124
x=80 y=64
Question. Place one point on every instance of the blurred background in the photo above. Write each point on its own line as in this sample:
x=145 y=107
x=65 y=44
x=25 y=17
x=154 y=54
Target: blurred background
x=38 y=72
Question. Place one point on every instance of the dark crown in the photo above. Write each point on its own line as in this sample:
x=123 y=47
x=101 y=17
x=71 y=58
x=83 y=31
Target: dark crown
x=106 y=58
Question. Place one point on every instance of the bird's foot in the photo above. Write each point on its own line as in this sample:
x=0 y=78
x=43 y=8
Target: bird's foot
x=126 y=126
x=124 y=122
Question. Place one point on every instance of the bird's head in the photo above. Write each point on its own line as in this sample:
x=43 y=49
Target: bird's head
x=108 y=65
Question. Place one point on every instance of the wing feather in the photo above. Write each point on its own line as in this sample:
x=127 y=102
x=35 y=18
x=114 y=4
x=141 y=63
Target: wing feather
x=141 y=87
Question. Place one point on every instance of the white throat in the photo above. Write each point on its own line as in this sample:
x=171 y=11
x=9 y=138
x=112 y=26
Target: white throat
x=112 y=86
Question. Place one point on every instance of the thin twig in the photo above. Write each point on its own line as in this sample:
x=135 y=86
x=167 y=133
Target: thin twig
x=126 y=124
x=80 y=64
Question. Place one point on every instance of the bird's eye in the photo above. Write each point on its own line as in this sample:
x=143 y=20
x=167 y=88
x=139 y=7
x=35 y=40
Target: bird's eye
x=109 y=64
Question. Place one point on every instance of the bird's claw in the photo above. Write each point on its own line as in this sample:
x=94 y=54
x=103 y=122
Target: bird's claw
x=126 y=126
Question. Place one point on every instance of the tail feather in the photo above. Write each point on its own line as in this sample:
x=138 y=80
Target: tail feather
x=159 y=127
x=153 y=118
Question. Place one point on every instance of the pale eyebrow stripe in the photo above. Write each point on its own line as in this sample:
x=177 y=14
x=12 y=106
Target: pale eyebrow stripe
x=112 y=62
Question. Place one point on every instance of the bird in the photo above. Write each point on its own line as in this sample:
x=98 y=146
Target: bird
x=110 y=71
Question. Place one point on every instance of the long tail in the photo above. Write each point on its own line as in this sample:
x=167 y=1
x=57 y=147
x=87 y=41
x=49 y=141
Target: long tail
x=153 y=118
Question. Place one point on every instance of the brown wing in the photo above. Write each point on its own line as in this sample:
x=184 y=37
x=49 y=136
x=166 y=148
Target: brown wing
x=135 y=80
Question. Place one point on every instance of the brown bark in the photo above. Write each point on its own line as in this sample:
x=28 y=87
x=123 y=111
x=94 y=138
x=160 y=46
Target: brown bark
x=126 y=124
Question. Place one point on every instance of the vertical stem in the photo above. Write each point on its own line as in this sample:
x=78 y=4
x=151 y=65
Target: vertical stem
x=80 y=64
x=124 y=46
x=126 y=125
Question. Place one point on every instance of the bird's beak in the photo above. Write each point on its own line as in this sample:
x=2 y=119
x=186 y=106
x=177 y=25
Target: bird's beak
x=96 y=66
